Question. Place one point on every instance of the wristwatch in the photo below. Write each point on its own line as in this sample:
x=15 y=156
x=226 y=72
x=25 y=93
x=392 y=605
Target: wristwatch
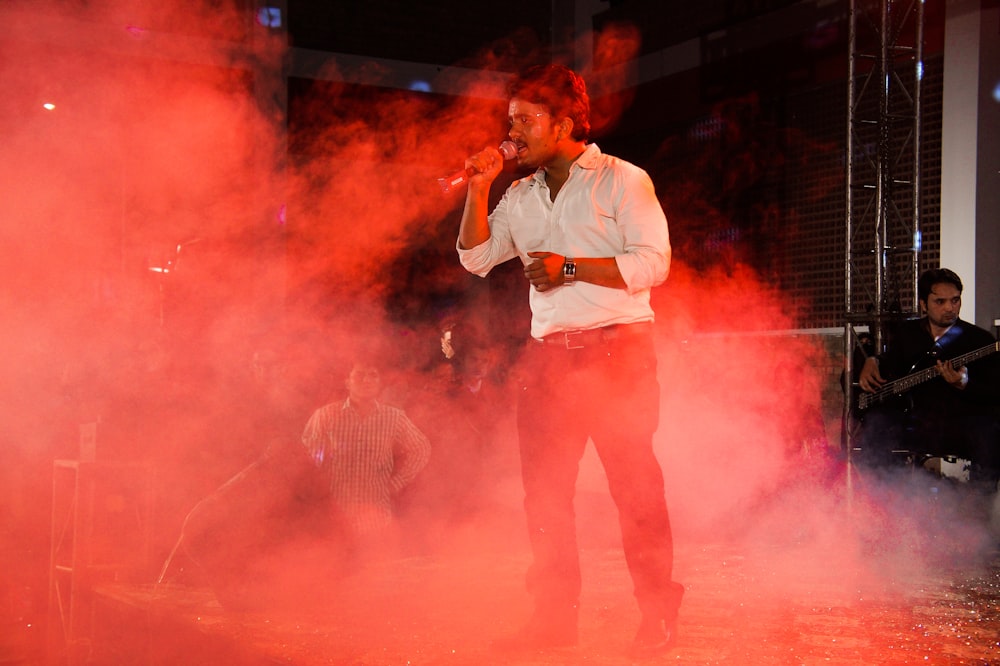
x=569 y=271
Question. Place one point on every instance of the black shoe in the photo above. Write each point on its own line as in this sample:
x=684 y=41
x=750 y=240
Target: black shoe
x=655 y=636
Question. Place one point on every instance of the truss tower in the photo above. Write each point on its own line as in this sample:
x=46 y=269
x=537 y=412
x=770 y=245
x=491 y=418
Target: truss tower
x=883 y=237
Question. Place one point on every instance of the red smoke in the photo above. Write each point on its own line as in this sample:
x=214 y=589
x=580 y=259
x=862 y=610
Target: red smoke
x=165 y=150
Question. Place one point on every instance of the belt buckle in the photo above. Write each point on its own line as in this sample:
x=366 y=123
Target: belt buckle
x=569 y=343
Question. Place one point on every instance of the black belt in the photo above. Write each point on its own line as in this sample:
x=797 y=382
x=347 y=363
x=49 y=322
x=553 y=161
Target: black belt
x=594 y=337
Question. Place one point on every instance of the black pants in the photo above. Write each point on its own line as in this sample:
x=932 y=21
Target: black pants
x=969 y=435
x=607 y=392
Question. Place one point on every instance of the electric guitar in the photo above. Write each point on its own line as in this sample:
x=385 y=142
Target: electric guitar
x=904 y=384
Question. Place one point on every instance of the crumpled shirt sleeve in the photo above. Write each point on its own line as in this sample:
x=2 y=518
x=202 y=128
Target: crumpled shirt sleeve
x=411 y=451
x=646 y=261
x=499 y=248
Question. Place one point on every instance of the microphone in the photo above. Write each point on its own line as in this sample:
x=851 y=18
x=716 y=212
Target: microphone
x=509 y=151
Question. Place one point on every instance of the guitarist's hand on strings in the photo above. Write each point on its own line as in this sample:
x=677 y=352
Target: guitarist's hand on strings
x=958 y=378
x=870 y=378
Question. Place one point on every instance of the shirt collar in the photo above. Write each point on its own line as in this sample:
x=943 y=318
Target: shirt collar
x=348 y=406
x=587 y=160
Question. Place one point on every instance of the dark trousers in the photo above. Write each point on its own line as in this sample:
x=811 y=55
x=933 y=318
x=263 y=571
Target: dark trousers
x=970 y=435
x=607 y=392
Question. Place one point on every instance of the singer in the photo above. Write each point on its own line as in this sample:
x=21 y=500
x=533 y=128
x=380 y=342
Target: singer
x=593 y=240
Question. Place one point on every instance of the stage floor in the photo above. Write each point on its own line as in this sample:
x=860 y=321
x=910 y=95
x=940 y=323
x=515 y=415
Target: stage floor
x=772 y=604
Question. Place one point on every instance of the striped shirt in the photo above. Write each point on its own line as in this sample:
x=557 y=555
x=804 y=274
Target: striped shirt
x=367 y=460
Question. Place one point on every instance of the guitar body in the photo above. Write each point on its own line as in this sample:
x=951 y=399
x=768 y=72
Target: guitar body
x=864 y=404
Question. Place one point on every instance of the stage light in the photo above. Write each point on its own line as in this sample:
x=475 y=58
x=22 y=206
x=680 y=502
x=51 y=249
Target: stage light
x=996 y=92
x=49 y=106
x=418 y=85
x=269 y=17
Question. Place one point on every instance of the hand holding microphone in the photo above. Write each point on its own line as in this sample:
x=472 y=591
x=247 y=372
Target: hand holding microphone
x=508 y=150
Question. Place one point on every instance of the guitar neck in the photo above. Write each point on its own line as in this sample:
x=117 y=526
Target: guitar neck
x=906 y=383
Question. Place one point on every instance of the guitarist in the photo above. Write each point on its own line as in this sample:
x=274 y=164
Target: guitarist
x=954 y=413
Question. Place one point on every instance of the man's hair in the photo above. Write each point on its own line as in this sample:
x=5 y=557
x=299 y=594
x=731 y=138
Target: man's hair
x=560 y=89
x=934 y=276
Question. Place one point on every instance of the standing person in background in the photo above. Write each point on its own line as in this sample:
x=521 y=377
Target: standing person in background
x=367 y=452
x=466 y=414
x=593 y=240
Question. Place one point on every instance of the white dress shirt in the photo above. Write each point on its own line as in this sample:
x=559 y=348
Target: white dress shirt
x=606 y=208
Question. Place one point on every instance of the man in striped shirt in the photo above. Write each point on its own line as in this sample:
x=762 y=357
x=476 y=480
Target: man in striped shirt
x=367 y=452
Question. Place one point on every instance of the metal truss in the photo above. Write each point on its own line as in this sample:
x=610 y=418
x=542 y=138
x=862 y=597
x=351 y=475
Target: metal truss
x=883 y=234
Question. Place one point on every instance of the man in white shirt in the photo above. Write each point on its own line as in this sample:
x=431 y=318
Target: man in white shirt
x=593 y=240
